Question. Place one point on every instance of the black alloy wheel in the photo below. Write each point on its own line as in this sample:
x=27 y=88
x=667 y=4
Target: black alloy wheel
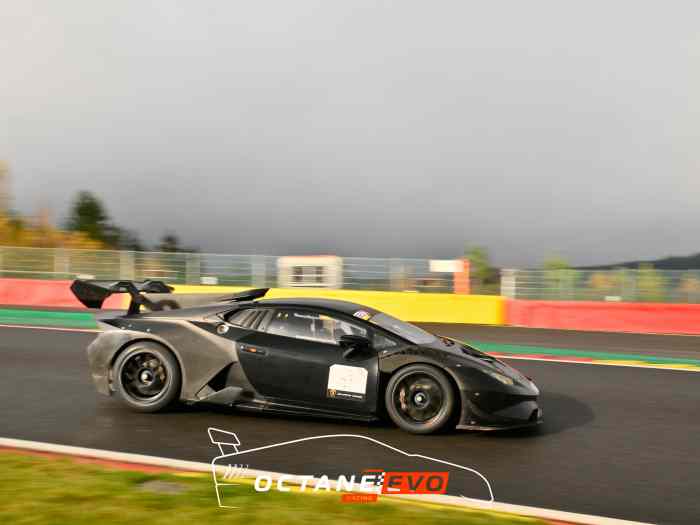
x=146 y=377
x=420 y=399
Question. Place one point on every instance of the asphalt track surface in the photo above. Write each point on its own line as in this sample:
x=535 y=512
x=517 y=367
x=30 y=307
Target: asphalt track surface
x=618 y=442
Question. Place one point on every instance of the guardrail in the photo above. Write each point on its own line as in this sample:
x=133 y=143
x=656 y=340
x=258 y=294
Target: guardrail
x=358 y=273
x=628 y=285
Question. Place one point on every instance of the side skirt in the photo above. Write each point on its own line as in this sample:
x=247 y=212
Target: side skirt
x=272 y=407
x=481 y=428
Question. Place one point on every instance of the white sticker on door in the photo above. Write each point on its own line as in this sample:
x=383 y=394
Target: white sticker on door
x=347 y=382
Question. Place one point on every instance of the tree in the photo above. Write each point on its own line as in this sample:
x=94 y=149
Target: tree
x=690 y=287
x=479 y=263
x=16 y=231
x=650 y=284
x=555 y=263
x=169 y=243
x=605 y=283
x=128 y=240
x=4 y=188
x=89 y=216
x=560 y=280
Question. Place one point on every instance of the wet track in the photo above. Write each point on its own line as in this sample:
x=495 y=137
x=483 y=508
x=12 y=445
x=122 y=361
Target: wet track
x=619 y=442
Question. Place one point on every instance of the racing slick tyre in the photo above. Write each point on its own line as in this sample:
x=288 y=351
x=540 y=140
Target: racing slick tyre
x=146 y=377
x=420 y=399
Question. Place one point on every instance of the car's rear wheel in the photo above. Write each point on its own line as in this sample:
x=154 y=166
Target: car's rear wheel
x=165 y=304
x=420 y=399
x=146 y=376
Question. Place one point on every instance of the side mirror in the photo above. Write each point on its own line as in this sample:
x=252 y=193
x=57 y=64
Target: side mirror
x=353 y=343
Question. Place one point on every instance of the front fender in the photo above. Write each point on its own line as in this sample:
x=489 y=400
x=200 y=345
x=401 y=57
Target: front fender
x=485 y=403
x=391 y=362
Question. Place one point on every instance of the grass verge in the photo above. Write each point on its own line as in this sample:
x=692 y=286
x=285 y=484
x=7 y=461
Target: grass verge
x=35 y=489
x=47 y=318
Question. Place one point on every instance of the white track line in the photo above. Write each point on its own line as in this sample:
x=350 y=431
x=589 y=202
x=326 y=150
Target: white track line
x=573 y=362
x=54 y=328
x=193 y=466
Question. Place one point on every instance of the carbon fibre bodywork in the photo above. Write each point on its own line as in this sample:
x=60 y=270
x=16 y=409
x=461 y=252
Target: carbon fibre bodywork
x=237 y=366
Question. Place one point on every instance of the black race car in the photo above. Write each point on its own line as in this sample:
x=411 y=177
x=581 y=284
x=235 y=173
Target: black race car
x=307 y=356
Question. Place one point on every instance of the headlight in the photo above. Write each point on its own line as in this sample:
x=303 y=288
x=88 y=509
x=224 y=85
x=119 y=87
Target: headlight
x=501 y=378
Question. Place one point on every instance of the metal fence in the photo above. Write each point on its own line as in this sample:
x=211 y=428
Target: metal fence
x=359 y=273
x=206 y=268
x=642 y=285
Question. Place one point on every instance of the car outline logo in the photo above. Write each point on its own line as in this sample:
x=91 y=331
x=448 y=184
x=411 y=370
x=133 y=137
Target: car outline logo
x=224 y=438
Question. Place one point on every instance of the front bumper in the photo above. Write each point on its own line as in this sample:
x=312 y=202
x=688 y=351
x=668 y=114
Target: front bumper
x=487 y=410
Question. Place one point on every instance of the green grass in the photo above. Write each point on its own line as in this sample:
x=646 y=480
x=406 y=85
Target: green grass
x=47 y=318
x=36 y=489
x=515 y=349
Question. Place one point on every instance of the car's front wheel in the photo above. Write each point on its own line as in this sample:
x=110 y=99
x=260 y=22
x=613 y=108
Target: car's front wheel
x=420 y=399
x=146 y=376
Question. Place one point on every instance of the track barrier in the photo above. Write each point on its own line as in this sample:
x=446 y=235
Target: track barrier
x=418 y=307
x=410 y=306
x=39 y=292
x=662 y=318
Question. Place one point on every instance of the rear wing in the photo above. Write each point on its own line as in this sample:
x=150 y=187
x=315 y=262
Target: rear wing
x=93 y=293
x=248 y=295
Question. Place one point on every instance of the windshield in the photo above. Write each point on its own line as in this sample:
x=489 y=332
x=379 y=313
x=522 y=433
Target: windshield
x=408 y=331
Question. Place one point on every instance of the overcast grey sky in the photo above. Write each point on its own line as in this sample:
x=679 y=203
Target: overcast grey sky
x=364 y=128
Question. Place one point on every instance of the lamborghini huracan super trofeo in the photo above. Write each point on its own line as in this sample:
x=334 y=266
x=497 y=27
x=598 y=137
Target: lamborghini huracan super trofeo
x=317 y=357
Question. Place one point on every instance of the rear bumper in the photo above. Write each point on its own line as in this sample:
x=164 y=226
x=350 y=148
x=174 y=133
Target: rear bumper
x=498 y=411
x=99 y=367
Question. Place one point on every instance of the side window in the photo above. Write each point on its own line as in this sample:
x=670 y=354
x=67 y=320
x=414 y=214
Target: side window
x=237 y=317
x=382 y=342
x=314 y=326
x=264 y=319
x=252 y=321
x=243 y=318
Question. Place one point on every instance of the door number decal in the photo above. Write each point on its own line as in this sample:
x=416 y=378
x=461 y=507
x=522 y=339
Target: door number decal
x=347 y=382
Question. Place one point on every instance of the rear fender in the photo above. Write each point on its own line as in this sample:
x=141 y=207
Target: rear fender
x=200 y=354
x=104 y=350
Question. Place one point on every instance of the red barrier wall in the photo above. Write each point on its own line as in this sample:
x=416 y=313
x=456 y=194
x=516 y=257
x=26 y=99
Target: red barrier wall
x=572 y=315
x=36 y=292
x=605 y=316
